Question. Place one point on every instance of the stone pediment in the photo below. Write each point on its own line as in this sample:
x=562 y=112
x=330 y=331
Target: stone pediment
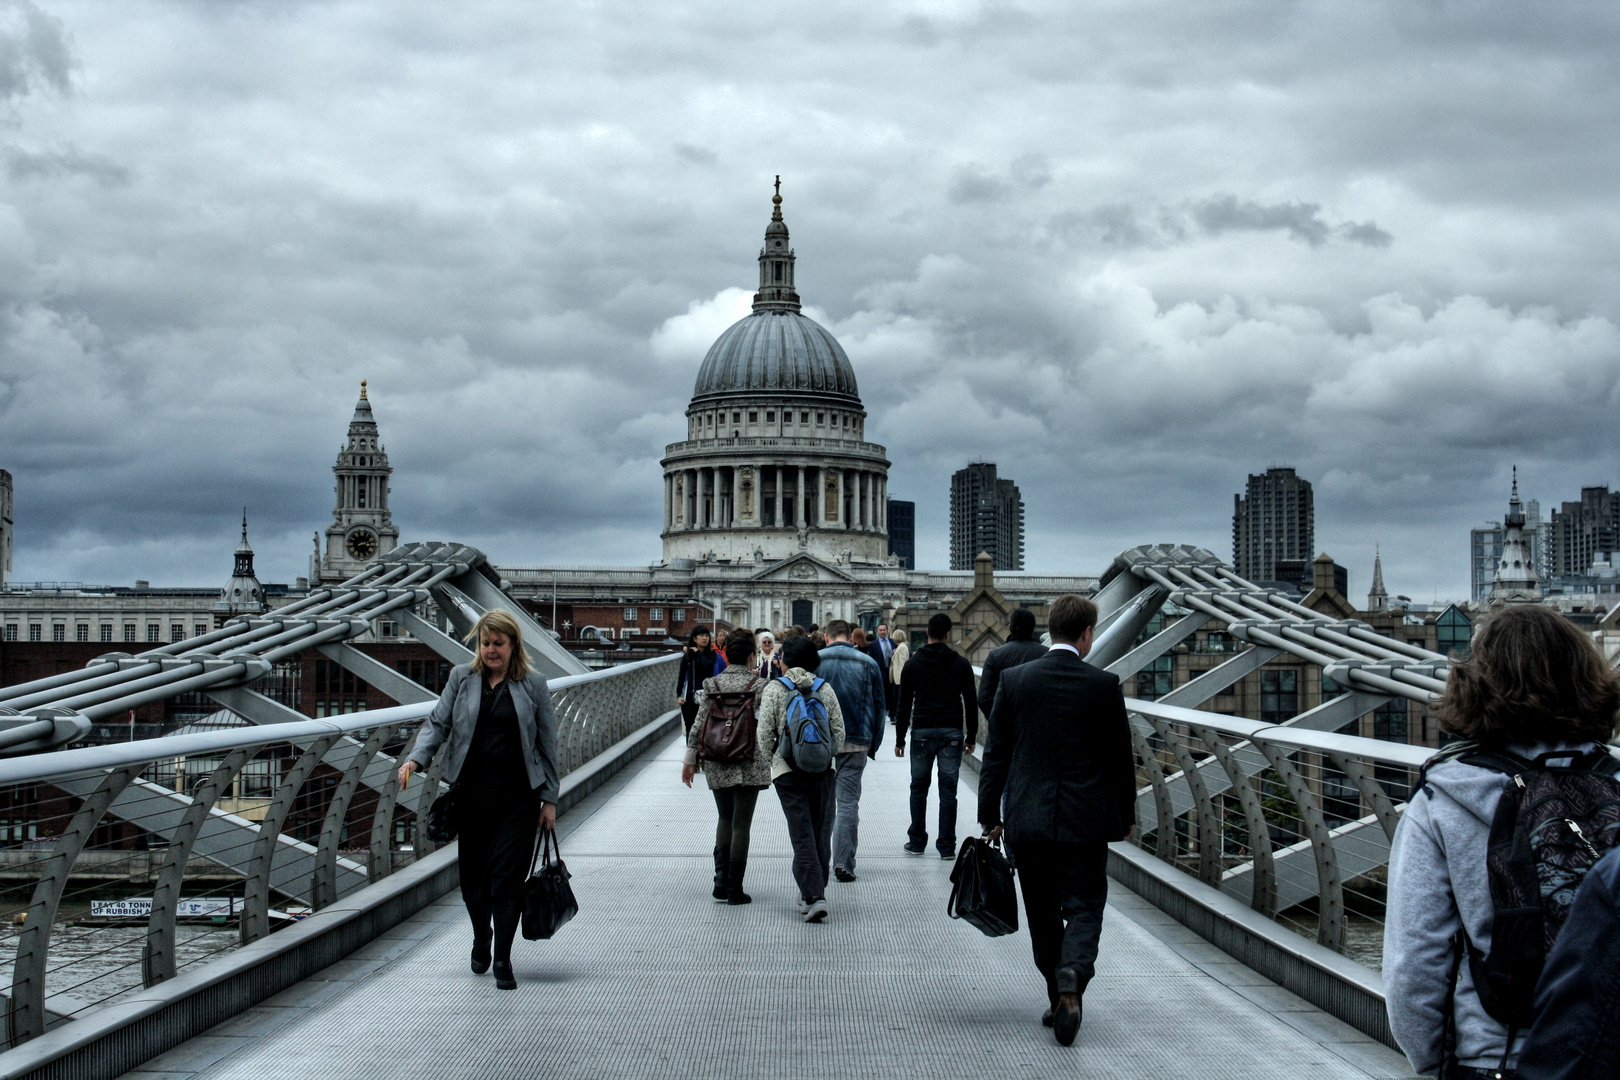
x=802 y=567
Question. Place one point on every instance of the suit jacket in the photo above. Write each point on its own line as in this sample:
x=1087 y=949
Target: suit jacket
x=1060 y=746
x=874 y=649
x=1015 y=652
x=454 y=719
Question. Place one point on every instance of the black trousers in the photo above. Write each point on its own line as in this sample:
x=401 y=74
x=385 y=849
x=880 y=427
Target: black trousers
x=735 y=827
x=808 y=803
x=1065 y=890
x=689 y=711
x=496 y=845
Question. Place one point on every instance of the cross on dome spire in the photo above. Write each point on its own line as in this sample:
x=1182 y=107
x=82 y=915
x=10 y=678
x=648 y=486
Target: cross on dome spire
x=776 y=293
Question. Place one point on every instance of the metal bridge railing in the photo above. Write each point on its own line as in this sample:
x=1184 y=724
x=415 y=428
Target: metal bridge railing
x=221 y=836
x=1296 y=823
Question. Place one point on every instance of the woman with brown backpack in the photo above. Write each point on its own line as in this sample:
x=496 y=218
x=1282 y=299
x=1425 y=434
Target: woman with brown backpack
x=722 y=741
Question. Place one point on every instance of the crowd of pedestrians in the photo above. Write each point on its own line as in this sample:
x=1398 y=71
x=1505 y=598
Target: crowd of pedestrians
x=1502 y=937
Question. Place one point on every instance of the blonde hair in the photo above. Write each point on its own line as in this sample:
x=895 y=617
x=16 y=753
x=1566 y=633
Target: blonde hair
x=500 y=622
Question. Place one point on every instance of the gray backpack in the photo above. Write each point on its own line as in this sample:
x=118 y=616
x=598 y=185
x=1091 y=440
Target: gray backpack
x=806 y=742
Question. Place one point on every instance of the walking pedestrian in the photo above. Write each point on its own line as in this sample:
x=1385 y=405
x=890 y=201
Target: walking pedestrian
x=881 y=648
x=1021 y=648
x=897 y=665
x=1059 y=747
x=807 y=797
x=936 y=698
x=769 y=659
x=857 y=681
x=1533 y=691
x=496 y=722
x=736 y=785
x=699 y=661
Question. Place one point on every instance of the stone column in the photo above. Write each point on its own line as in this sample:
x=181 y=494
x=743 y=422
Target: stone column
x=799 y=516
x=781 y=475
x=821 y=496
x=701 y=518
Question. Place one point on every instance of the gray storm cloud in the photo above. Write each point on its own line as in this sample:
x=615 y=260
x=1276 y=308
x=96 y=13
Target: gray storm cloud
x=1130 y=253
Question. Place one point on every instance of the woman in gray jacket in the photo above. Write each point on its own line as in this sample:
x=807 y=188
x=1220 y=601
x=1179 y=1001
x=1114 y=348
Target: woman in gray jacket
x=499 y=735
x=1533 y=685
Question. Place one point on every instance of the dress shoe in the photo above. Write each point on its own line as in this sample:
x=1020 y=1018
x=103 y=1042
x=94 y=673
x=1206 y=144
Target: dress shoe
x=843 y=875
x=480 y=957
x=1046 y=1018
x=504 y=979
x=915 y=850
x=1066 y=1018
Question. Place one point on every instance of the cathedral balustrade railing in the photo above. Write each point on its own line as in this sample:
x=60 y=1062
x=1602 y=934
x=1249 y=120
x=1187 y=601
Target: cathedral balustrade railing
x=786 y=442
x=124 y=865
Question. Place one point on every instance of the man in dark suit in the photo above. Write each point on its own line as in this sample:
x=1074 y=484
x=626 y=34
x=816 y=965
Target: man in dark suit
x=881 y=649
x=1060 y=746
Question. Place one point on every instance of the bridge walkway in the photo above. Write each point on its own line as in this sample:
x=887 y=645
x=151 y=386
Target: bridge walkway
x=654 y=979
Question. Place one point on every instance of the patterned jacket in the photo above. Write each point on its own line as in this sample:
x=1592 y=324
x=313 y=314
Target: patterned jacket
x=724 y=774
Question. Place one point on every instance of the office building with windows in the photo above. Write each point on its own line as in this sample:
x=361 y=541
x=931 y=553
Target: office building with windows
x=987 y=515
x=1273 y=521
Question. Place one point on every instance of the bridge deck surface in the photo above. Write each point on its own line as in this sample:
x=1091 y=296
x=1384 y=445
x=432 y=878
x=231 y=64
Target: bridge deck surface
x=654 y=979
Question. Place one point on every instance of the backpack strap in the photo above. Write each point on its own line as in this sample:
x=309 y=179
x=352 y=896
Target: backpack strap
x=815 y=684
x=787 y=682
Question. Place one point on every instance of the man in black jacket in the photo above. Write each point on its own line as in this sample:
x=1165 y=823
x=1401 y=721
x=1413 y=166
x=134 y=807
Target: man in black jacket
x=936 y=698
x=1021 y=648
x=1060 y=746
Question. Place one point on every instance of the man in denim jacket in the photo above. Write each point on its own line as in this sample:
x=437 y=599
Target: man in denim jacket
x=857 y=681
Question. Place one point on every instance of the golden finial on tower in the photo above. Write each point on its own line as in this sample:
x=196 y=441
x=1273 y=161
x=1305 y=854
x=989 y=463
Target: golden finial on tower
x=362 y=389
x=776 y=201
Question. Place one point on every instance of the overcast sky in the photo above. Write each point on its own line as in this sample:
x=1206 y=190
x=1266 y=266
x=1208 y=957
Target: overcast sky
x=1130 y=251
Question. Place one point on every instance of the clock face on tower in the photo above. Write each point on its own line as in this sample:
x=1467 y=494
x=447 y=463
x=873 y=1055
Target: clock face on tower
x=362 y=544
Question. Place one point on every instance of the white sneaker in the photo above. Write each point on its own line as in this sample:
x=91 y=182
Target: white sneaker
x=804 y=905
x=816 y=911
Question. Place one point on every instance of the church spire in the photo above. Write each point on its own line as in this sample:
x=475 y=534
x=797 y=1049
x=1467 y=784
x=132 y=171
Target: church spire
x=1378 y=596
x=776 y=263
x=1515 y=579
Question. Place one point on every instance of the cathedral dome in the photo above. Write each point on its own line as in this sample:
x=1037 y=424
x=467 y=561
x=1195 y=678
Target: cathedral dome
x=776 y=352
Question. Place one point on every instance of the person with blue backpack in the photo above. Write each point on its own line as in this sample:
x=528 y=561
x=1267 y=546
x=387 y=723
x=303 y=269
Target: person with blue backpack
x=1504 y=826
x=799 y=714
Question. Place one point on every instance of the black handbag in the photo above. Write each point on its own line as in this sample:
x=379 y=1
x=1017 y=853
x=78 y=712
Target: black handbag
x=548 y=899
x=442 y=819
x=982 y=891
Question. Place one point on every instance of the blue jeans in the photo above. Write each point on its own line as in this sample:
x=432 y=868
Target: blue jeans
x=927 y=746
x=847 y=815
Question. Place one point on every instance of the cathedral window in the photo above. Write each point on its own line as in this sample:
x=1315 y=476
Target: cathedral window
x=770 y=416
x=154 y=632
x=197 y=630
x=778 y=271
x=804 y=418
x=821 y=418
x=129 y=631
x=736 y=418
x=81 y=632
x=11 y=631
x=59 y=632
x=753 y=416
x=34 y=631
x=106 y=632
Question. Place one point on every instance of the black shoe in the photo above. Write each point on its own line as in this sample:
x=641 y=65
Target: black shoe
x=504 y=979
x=1046 y=1018
x=918 y=850
x=735 y=870
x=1066 y=1020
x=721 y=867
x=947 y=853
x=480 y=957
x=843 y=875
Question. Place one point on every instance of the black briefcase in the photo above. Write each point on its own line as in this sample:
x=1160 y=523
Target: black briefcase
x=982 y=891
x=548 y=899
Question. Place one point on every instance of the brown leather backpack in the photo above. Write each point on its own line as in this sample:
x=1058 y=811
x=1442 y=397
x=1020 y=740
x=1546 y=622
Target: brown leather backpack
x=730 y=728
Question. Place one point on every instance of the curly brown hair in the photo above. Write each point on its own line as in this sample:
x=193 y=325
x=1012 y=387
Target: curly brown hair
x=1532 y=677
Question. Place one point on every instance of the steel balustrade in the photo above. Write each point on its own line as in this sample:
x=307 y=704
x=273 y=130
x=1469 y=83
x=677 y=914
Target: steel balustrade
x=229 y=839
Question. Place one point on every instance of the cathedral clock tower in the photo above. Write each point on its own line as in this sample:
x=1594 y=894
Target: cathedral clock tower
x=362 y=527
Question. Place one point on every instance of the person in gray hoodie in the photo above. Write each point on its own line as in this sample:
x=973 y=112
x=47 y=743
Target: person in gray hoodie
x=1534 y=684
